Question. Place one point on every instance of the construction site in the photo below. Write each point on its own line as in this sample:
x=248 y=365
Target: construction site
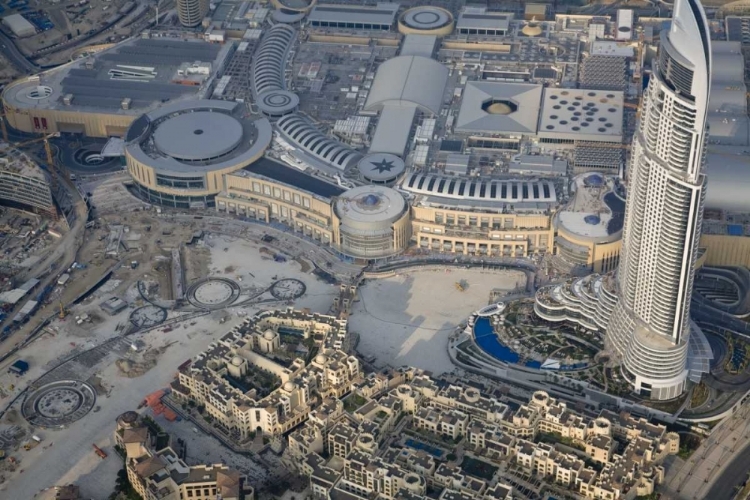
x=147 y=293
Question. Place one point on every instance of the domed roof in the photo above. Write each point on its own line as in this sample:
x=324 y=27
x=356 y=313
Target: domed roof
x=370 y=200
x=532 y=29
x=289 y=386
x=269 y=335
x=237 y=361
x=320 y=359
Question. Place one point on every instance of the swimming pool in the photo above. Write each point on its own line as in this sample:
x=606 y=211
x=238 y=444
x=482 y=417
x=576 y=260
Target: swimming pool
x=486 y=339
x=418 y=445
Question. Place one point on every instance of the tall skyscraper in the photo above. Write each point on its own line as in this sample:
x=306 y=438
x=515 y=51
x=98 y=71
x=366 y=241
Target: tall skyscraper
x=650 y=325
x=192 y=12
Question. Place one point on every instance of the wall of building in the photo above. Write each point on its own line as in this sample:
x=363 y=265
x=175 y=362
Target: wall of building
x=724 y=250
x=30 y=192
x=401 y=238
x=452 y=230
x=602 y=256
x=64 y=120
x=268 y=201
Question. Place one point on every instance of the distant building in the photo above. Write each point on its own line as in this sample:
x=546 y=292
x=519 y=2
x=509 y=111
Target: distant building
x=19 y=25
x=192 y=12
x=19 y=367
x=24 y=185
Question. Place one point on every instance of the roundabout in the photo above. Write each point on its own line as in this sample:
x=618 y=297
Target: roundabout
x=58 y=403
x=288 y=289
x=148 y=316
x=213 y=293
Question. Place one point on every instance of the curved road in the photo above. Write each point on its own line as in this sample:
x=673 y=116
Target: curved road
x=15 y=57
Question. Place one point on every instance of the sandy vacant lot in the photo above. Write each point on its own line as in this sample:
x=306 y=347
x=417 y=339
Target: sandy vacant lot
x=406 y=319
x=72 y=459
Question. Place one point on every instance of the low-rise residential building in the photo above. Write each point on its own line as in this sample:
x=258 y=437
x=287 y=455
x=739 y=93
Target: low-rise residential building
x=434 y=416
x=231 y=378
x=160 y=474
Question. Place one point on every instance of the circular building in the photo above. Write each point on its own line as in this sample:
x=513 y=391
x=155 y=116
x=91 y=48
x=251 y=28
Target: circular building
x=589 y=228
x=371 y=222
x=381 y=168
x=178 y=153
x=277 y=103
x=426 y=20
x=294 y=6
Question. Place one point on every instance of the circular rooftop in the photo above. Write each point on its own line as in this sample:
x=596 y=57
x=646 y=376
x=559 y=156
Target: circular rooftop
x=287 y=17
x=198 y=136
x=370 y=205
x=499 y=108
x=194 y=139
x=277 y=102
x=381 y=168
x=532 y=29
x=293 y=6
x=426 y=18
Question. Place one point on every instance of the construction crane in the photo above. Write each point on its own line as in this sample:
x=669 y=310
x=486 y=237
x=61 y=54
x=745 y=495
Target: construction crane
x=47 y=147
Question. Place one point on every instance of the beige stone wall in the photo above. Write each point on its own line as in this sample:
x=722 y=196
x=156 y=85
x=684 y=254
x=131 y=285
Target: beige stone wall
x=62 y=120
x=458 y=231
x=480 y=46
x=146 y=176
x=265 y=200
x=603 y=257
x=724 y=250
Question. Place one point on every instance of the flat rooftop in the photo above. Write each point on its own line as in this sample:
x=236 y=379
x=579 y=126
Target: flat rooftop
x=382 y=13
x=142 y=70
x=475 y=18
x=584 y=115
x=594 y=211
x=276 y=171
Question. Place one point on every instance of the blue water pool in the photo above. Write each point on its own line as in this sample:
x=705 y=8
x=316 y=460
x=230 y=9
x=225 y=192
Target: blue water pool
x=487 y=340
x=418 y=445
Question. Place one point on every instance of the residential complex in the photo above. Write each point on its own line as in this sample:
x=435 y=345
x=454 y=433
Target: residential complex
x=158 y=472
x=401 y=439
x=248 y=383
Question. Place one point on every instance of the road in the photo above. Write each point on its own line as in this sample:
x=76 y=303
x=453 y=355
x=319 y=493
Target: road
x=18 y=60
x=719 y=464
x=734 y=474
x=64 y=255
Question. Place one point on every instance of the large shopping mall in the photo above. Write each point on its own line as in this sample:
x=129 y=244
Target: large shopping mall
x=403 y=167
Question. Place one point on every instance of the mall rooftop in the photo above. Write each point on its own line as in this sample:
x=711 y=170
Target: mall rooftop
x=131 y=78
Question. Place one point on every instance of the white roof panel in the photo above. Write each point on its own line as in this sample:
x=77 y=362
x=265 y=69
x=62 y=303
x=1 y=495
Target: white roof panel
x=410 y=81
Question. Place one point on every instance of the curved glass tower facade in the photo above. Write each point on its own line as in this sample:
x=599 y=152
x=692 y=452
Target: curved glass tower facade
x=650 y=325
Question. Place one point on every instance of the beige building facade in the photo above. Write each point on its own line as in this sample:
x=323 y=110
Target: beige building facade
x=488 y=232
x=267 y=200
